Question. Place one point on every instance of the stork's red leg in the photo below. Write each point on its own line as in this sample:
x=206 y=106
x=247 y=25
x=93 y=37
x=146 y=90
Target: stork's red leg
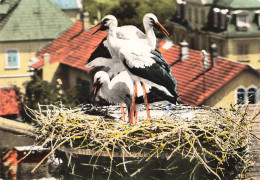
x=136 y=113
x=123 y=113
x=132 y=110
x=146 y=102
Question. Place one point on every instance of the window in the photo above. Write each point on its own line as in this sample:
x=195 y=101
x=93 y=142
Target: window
x=242 y=19
x=241 y=96
x=196 y=15
x=202 y=16
x=244 y=96
x=190 y=14
x=242 y=48
x=251 y=95
x=12 y=59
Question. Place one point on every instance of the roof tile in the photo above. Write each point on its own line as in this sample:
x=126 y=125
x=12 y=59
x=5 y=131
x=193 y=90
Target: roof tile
x=73 y=47
x=9 y=101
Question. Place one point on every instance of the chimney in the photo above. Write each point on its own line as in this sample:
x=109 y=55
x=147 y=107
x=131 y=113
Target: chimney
x=46 y=75
x=84 y=16
x=214 y=54
x=184 y=50
x=46 y=59
x=205 y=60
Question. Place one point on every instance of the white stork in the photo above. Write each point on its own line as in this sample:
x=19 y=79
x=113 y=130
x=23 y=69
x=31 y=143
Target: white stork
x=131 y=32
x=117 y=91
x=102 y=58
x=139 y=61
x=120 y=91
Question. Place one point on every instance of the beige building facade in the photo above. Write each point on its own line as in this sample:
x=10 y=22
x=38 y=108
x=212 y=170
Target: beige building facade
x=234 y=26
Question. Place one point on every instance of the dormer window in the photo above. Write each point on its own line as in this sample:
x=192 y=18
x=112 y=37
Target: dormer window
x=242 y=19
x=181 y=4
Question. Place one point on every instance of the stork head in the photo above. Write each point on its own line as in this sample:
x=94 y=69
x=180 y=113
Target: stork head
x=100 y=78
x=109 y=21
x=150 y=20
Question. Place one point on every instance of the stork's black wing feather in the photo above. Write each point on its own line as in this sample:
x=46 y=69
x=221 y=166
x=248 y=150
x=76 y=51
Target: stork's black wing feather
x=156 y=74
x=156 y=95
x=161 y=61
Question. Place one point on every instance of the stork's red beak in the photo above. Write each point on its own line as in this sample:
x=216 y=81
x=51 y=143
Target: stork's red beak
x=96 y=88
x=162 y=29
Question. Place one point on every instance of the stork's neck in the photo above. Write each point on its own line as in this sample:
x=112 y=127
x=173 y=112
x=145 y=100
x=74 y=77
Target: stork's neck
x=111 y=32
x=113 y=43
x=150 y=36
x=105 y=89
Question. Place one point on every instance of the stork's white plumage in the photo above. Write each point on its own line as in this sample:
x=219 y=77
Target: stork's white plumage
x=117 y=91
x=129 y=32
x=138 y=59
x=133 y=33
x=120 y=90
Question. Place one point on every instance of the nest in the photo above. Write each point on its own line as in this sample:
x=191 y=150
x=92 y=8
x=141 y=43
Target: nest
x=212 y=137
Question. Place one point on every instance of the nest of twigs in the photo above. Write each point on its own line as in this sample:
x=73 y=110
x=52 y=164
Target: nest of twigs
x=215 y=139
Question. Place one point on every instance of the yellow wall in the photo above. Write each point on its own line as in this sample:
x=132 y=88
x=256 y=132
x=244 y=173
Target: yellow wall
x=253 y=55
x=75 y=73
x=26 y=50
x=227 y=96
x=67 y=74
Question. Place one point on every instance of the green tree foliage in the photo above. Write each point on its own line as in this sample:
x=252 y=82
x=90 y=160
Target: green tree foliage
x=42 y=92
x=131 y=12
x=97 y=8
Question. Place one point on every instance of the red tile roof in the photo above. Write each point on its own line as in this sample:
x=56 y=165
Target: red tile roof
x=74 y=47
x=9 y=101
x=194 y=85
